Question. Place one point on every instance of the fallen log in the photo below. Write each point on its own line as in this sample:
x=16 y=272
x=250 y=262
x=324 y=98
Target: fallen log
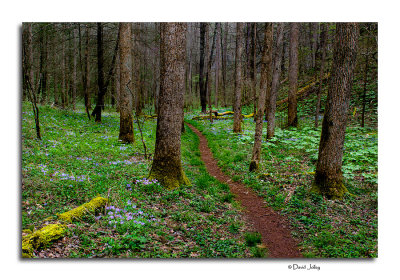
x=88 y=208
x=41 y=238
x=304 y=89
x=221 y=116
x=51 y=232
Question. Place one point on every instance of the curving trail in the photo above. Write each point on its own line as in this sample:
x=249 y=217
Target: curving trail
x=274 y=229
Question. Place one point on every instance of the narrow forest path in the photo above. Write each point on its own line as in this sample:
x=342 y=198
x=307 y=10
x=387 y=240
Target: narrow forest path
x=274 y=229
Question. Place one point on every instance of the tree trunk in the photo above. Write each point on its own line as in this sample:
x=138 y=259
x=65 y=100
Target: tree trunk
x=265 y=81
x=253 y=65
x=167 y=167
x=63 y=83
x=28 y=74
x=74 y=78
x=328 y=175
x=136 y=77
x=126 y=134
x=86 y=84
x=208 y=74
x=276 y=73
x=203 y=53
x=217 y=59
x=237 y=118
x=117 y=84
x=293 y=73
x=324 y=30
x=100 y=75
x=101 y=82
x=224 y=45
x=44 y=71
x=314 y=42
x=365 y=84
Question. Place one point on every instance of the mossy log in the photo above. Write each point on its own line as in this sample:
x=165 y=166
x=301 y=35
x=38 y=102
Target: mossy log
x=150 y=116
x=41 y=238
x=304 y=89
x=88 y=208
x=221 y=116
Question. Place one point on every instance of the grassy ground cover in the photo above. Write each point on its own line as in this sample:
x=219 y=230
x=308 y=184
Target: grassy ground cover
x=78 y=160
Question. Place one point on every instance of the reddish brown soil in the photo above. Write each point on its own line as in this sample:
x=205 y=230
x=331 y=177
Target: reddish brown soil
x=274 y=229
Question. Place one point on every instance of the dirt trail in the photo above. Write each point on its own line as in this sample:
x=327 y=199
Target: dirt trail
x=274 y=229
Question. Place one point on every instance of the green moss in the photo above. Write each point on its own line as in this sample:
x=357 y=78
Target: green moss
x=332 y=188
x=170 y=180
x=41 y=238
x=77 y=213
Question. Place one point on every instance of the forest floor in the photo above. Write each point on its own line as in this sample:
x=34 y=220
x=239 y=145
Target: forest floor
x=78 y=159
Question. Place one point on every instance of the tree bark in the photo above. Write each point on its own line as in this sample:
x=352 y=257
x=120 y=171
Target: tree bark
x=276 y=73
x=265 y=81
x=328 y=175
x=126 y=134
x=324 y=31
x=167 y=167
x=293 y=73
x=237 y=118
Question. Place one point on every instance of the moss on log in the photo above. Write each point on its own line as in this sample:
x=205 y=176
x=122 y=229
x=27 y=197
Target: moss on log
x=220 y=116
x=41 y=238
x=88 y=208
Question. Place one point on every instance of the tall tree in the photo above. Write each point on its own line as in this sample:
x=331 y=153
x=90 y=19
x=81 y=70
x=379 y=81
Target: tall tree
x=29 y=86
x=293 y=73
x=63 y=66
x=74 y=74
x=217 y=60
x=102 y=82
x=208 y=73
x=276 y=73
x=126 y=134
x=265 y=80
x=328 y=174
x=43 y=63
x=237 y=109
x=324 y=31
x=167 y=166
x=365 y=78
x=86 y=75
x=224 y=46
x=117 y=79
x=203 y=53
x=253 y=65
x=100 y=74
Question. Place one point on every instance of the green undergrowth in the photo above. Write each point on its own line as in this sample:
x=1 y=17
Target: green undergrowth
x=78 y=160
x=344 y=228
